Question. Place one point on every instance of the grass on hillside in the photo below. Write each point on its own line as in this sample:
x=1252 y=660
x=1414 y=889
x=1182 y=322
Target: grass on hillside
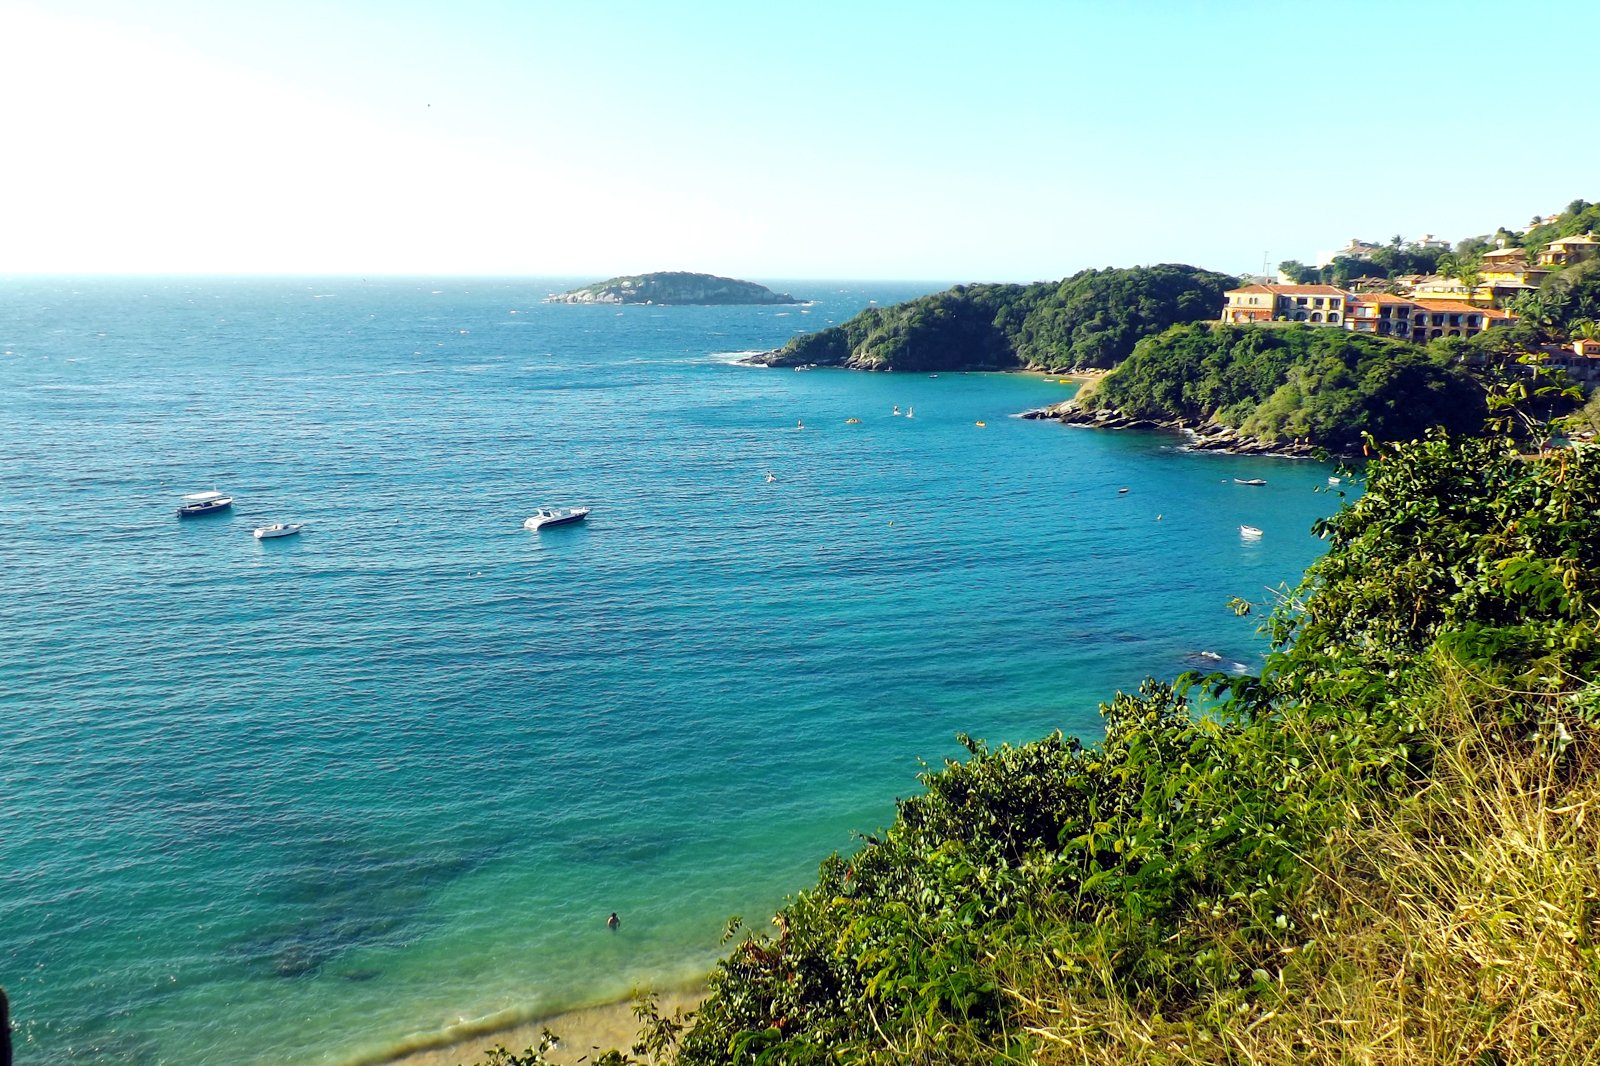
x=1460 y=925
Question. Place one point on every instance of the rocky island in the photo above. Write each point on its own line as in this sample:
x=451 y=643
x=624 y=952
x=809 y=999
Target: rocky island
x=672 y=287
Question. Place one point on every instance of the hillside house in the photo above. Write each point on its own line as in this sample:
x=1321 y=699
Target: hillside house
x=1315 y=304
x=1569 y=251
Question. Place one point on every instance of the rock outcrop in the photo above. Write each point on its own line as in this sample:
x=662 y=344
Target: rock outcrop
x=1202 y=436
x=672 y=287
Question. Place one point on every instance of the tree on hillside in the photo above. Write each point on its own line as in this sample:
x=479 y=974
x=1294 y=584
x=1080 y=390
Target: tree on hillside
x=1298 y=273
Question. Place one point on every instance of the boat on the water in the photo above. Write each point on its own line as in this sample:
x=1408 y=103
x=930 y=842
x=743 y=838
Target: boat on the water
x=1249 y=481
x=199 y=503
x=278 y=529
x=546 y=517
x=1249 y=532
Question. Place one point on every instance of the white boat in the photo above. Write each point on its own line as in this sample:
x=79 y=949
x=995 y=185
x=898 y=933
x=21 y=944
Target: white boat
x=1333 y=481
x=198 y=503
x=1249 y=532
x=553 y=516
x=1249 y=481
x=278 y=529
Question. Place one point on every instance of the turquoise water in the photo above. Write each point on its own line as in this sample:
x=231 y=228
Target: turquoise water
x=315 y=799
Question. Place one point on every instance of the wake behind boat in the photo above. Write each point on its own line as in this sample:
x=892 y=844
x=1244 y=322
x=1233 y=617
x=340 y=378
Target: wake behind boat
x=546 y=517
x=199 y=503
x=277 y=529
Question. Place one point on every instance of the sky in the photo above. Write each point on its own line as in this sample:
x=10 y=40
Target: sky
x=1007 y=141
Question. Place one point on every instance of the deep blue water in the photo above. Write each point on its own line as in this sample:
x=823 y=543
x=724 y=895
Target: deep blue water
x=310 y=799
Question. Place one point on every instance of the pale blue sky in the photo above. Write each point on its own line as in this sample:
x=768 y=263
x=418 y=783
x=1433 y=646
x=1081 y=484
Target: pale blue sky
x=943 y=141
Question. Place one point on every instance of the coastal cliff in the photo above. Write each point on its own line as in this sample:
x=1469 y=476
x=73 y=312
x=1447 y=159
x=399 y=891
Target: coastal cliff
x=672 y=287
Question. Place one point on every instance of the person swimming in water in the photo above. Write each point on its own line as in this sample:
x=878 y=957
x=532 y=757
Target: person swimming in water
x=613 y=921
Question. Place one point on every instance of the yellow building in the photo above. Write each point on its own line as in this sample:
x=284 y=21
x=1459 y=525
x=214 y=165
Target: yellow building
x=1318 y=305
x=1420 y=319
x=1569 y=251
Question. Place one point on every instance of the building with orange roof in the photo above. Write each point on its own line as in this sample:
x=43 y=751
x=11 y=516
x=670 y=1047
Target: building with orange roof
x=1314 y=304
x=1580 y=359
x=1419 y=318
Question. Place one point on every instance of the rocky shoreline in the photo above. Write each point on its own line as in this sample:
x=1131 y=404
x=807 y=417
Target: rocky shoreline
x=1199 y=436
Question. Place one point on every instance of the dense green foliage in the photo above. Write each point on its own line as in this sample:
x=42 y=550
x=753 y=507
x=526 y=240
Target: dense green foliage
x=1281 y=382
x=1579 y=217
x=1391 y=261
x=1172 y=865
x=1091 y=319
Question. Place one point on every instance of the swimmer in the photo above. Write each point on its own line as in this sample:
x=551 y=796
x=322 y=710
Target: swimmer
x=613 y=921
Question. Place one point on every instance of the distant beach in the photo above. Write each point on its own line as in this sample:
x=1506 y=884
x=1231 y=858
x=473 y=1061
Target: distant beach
x=585 y=1034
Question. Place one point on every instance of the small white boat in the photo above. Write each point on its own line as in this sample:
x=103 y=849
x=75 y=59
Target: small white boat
x=553 y=516
x=1249 y=532
x=277 y=529
x=198 y=503
x=1333 y=481
x=1249 y=481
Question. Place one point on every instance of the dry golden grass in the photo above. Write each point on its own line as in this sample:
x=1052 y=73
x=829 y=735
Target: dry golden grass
x=1461 y=927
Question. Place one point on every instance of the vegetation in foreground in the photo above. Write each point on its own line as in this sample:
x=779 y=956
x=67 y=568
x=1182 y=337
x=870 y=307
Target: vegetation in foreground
x=1384 y=848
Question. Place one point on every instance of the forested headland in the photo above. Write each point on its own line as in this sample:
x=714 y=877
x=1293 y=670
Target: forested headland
x=1269 y=387
x=1091 y=319
x=1276 y=384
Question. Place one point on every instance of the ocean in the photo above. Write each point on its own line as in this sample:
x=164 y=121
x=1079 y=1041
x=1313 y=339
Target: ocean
x=320 y=799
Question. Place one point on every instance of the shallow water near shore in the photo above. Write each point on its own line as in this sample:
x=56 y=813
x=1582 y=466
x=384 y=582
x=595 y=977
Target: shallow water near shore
x=320 y=799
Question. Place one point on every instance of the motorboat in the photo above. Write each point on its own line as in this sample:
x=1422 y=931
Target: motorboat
x=1249 y=481
x=278 y=529
x=199 y=503
x=1249 y=532
x=546 y=517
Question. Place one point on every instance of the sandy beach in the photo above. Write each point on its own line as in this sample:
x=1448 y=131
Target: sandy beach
x=585 y=1034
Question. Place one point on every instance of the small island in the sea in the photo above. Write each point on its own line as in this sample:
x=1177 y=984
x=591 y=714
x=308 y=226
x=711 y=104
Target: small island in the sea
x=672 y=287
